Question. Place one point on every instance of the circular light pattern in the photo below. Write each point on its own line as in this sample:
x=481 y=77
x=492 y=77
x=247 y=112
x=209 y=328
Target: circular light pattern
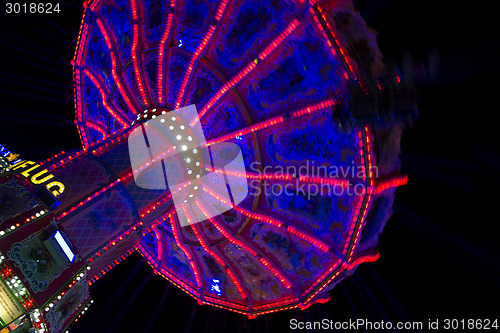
x=252 y=98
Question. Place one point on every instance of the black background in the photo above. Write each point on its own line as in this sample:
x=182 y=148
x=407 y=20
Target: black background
x=439 y=252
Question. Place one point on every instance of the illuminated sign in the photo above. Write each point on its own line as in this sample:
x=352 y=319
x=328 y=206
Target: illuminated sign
x=13 y=158
x=64 y=246
x=9 y=307
x=37 y=177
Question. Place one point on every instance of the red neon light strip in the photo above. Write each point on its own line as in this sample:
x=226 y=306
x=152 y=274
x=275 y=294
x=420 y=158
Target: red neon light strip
x=280 y=276
x=81 y=36
x=322 y=246
x=184 y=249
x=320 y=27
x=225 y=303
x=136 y=65
x=353 y=225
x=283 y=177
x=166 y=274
x=221 y=262
x=221 y=9
x=325 y=284
x=250 y=129
x=191 y=65
x=360 y=226
x=126 y=233
x=241 y=244
x=104 y=102
x=369 y=155
x=271 y=122
x=143 y=212
x=140 y=84
x=161 y=59
x=369 y=159
x=343 y=52
x=159 y=241
x=79 y=110
x=250 y=67
x=95 y=151
x=199 y=50
x=116 y=240
x=367 y=258
x=315 y=301
x=390 y=183
x=269 y=220
x=113 y=70
x=161 y=51
x=271 y=47
x=88 y=199
x=323 y=276
x=147 y=209
x=133 y=5
x=358 y=206
x=96 y=128
x=276 y=304
x=109 y=267
x=53 y=157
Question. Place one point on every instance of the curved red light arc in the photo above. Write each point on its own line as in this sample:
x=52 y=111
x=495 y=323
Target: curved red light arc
x=97 y=128
x=189 y=255
x=249 y=68
x=240 y=286
x=111 y=110
x=272 y=121
x=137 y=31
x=238 y=241
x=116 y=64
x=205 y=42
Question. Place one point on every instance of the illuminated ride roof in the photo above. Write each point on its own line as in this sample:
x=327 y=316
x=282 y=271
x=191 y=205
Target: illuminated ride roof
x=271 y=77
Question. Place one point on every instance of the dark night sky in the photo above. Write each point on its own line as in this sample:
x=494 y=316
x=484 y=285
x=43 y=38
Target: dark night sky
x=440 y=256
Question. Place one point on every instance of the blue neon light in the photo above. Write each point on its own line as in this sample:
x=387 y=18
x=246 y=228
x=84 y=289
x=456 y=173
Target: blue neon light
x=215 y=287
x=64 y=246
